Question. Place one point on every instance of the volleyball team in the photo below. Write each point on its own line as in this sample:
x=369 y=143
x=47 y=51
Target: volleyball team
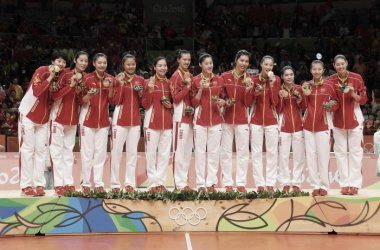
x=205 y=112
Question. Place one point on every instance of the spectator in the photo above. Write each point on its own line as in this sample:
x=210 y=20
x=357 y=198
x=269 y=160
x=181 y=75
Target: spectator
x=343 y=30
x=9 y=126
x=285 y=62
x=365 y=113
x=376 y=105
x=302 y=76
x=2 y=94
x=370 y=125
x=19 y=92
x=360 y=68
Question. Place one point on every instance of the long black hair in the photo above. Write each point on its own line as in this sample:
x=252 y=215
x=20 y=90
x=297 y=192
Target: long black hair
x=157 y=60
x=77 y=55
x=180 y=52
x=94 y=58
x=203 y=57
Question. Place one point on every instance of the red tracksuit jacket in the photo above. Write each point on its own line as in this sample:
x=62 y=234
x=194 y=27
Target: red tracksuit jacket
x=315 y=118
x=161 y=117
x=181 y=92
x=235 y=89
x=264 y=105
x=35 y=104
x=128 y=99
x=344 y=117
x=209 y=113
x=97 y=115
x=68 y=98
x=291 y=110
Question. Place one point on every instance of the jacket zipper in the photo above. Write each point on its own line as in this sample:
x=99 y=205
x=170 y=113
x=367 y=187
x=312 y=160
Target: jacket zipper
x=264 y=107
x=100 y=101
x=131 y=106
x=291 y=111
x=344 y=114
x=233 y=118
x=210 y=107
x=72 y=109
x=163 y=108
x=315 y=106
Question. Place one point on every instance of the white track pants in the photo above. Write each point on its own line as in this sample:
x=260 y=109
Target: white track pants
x=130 y=136
x=209 y=136
x=317 y=145
x=32 y=140
x=93 y=146
x=271 y=143
x=182 y=148
x=161 y=139
x=296 y=140
x=349 y=166
x=62 y=141
x=241 y=133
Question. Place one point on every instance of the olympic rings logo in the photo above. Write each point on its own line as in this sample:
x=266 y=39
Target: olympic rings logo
x=182 y=216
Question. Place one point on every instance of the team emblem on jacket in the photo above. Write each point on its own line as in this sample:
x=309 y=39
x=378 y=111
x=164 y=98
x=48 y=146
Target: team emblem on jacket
x=214 y=83
x=323 y=90
x=37 y=79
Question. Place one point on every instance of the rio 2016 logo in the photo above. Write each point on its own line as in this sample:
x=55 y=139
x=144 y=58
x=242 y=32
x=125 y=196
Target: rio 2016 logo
x=6 y=178
x=168 y=8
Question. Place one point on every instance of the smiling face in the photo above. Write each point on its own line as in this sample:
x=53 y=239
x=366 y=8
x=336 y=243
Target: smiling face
x=266 y=65
x=100 y=64
x=288 y=76
x=184 y=61
x=60 y=62
x=340 y=65
x=207 y=65
x=129 y=66
x=161 y=68
x=242 y=63
x=81 y=63
x=317 y=70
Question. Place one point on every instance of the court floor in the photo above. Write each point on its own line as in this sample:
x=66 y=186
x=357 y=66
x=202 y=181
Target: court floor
x=199 y=240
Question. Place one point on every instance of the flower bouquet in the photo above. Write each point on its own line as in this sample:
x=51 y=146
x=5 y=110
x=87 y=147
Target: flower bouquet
x=138 y=87
x=94 y=91
x=231 y=101
x=214 y=98
x=189 y=109
x=307 y=89
x=296 y=93
x=344 y=88
x=326 y=105
x=164 y=99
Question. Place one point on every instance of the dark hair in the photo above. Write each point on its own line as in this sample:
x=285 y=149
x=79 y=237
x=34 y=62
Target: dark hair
x=77 y=55
x=96 y=56
x=58 y=54
x=127 y=56
x=180 y=52
x=286 y=68
x=316 y=62
x=242 y=53
x=158 y=59
x=204 y=56
x=266 y=57
x=339 y=57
